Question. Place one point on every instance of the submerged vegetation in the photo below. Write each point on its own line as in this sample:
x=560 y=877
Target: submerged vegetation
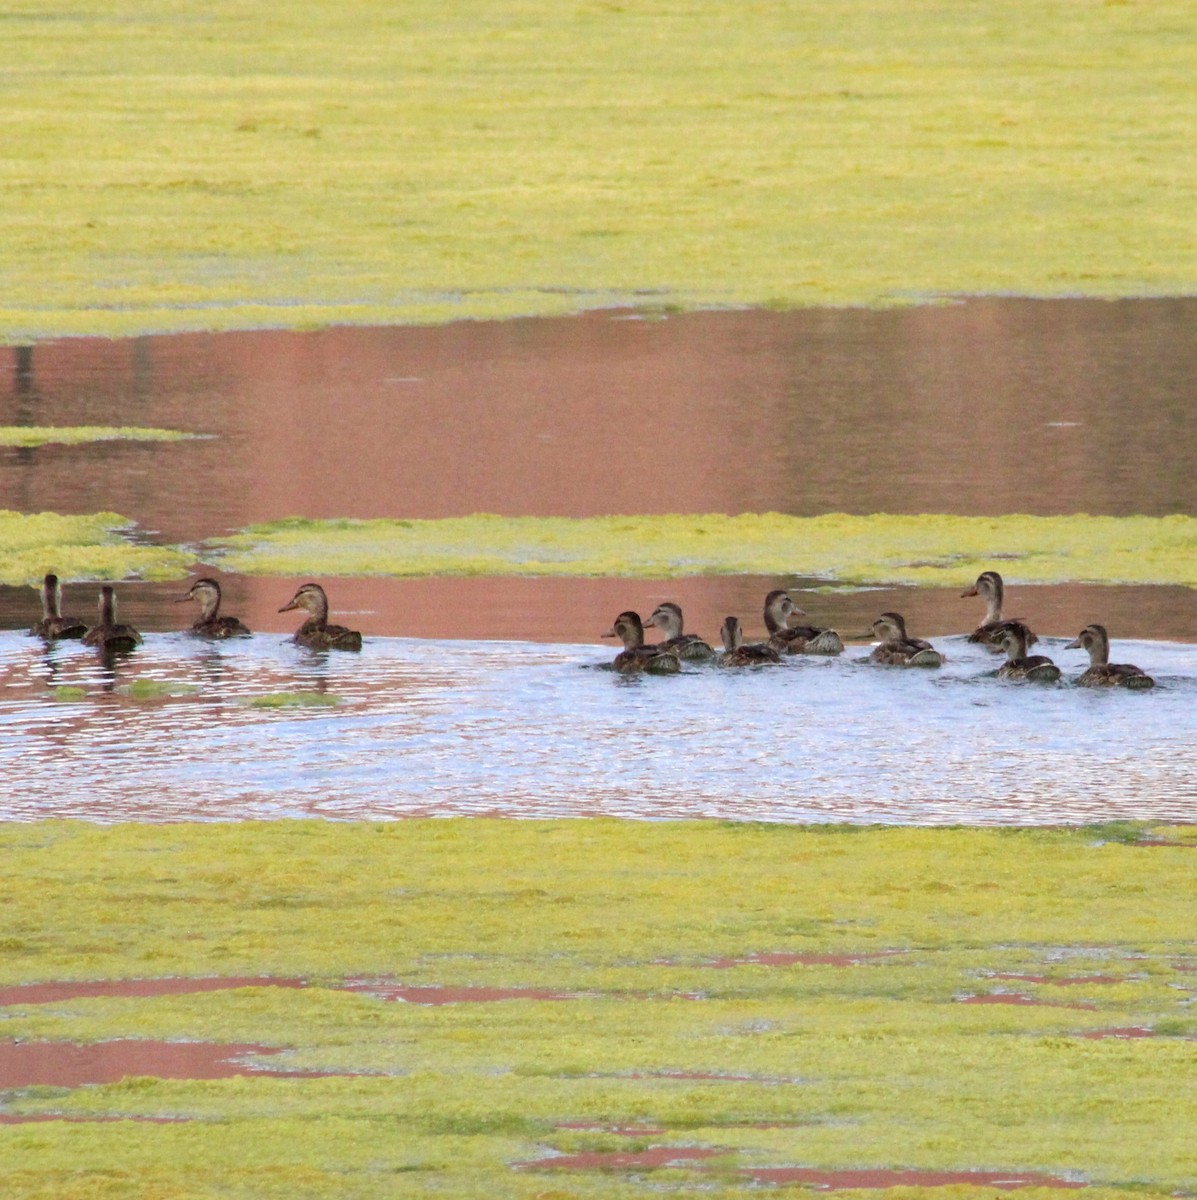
x=80 y=547
x=925 y=550
x=238 y=165
x=858 y=1050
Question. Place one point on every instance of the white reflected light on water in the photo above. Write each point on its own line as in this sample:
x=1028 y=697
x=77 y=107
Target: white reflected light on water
x=516 y=729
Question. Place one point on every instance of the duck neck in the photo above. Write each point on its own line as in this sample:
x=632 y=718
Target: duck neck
x=50 y=601
x=732 y=634
x=209 y=602
x=107 y=606
x=1099 y=651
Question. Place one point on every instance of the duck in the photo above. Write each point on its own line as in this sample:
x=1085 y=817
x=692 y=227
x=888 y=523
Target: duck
x=989 y=633
x=53 y=625
x=1037 y=668
x=209 y=623
x=737 y=654
x=899 y=650
x=316 y=633
x=108 y=635
x=796 y=639
x=1102 y=672
x=689 y=647
x=636 y=656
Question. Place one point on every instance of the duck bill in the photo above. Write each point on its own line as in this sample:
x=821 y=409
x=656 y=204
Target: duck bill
x=610 y=632
x=181 y=599
x=972 y=591
x=288 y=606
x=1075 y=644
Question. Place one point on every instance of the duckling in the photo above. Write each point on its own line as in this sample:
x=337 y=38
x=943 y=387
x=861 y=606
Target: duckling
x=1102 y=672
x=989 y=633
x=53 y=625
x=1037 y=668
x=208 y=624
x=316 y=633
x=899 y=650
x=737 y=654
x=636 y=656
x=690 y=647
x=108 y=635
x=796 y=639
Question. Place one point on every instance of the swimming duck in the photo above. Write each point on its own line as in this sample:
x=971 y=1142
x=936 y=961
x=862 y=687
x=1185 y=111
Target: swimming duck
x=108 y=635
x=1102 y=672
x=899 y=650
x=53 y=625
x=737 y=654
x=316 y=633
x=1037 y=668
x=636 y=656
x=667 y=618
x=209 y=624
x=796 y=639
x=989 y=633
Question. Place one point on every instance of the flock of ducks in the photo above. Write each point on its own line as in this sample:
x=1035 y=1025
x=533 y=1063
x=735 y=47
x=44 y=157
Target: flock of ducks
x=895 y=646
x=783 y=635
x=114 y=638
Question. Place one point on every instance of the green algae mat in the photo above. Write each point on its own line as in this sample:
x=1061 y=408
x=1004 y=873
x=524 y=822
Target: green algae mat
x=780 y=997
x=925 y=549
x=94 y=546
x=240 y=163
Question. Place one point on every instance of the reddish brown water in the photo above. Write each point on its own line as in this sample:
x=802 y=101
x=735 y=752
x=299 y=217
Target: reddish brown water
x=66 y=1064
x=1017 y=999
x=801 y=412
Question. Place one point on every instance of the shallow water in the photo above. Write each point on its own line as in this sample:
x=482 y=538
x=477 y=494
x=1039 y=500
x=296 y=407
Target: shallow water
x=534 y=730
x=987 y=406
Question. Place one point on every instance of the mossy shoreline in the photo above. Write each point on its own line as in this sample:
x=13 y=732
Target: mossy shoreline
x=676 y=1023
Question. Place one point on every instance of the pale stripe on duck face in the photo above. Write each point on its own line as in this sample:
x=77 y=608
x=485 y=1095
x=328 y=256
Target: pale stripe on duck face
x=1037 y=668
x=992 y=590
x=667 y=617
x=897 y=648
x=807 y=639
x=1102 y=672
x=636 y=656
x=316 y=633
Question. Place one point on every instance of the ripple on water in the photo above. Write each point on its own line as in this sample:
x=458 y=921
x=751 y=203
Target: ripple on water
x=424 y=727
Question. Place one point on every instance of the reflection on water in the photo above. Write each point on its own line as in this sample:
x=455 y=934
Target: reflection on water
x=535 y=730
x=985 y=407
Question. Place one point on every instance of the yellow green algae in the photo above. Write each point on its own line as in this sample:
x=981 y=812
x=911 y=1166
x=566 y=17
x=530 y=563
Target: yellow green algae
x=294 y=700
x=926 y=549
x=877 y=1064
x=241 y=163
x=75 y=435
x=92 y=546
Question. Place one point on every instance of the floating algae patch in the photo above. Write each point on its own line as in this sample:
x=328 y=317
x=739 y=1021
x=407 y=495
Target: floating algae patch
x=75 y=435
x=924 y=549
x=145 y=690
x=294 y=700
x=92 y=546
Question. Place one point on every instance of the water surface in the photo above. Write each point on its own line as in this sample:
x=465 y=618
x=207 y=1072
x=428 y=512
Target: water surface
x=481 y=695
x=534 y=730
